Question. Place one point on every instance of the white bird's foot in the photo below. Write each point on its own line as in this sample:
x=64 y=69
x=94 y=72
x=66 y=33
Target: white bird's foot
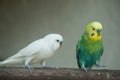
x=54 y=67
x=46 y=67
x=50 y=67
x=43 y=63
x=28 y=67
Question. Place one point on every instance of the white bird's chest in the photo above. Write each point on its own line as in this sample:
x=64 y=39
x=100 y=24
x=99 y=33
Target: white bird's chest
x=44 y=53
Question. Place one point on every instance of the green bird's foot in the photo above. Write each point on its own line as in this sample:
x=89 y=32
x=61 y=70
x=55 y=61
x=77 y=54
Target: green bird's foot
x=84 y=69
x=100 y=65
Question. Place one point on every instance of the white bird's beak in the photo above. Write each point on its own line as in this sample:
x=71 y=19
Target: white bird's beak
x=61 y=44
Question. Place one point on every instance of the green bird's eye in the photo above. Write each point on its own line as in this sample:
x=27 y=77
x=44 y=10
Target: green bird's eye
x=92 y=34
x=93 y=28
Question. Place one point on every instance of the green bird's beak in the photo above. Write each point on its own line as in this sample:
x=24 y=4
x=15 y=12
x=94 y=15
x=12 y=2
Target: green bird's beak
x=99 y=31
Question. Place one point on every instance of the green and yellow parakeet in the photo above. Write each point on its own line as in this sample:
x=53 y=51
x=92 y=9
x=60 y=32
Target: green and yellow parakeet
x=89 y=48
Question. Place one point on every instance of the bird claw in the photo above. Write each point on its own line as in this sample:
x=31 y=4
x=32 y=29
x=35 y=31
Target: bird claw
x=29 y=68
x=100 y=65
x=53 y=67
x=49 y=67
x=84 y=69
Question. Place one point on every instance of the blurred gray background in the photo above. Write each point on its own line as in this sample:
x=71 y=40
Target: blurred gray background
x=23 y=21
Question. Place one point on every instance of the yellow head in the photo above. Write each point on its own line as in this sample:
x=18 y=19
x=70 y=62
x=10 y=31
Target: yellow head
x=94 y=31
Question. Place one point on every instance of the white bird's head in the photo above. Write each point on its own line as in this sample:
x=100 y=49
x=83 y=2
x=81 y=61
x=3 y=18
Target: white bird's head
x=54 y=40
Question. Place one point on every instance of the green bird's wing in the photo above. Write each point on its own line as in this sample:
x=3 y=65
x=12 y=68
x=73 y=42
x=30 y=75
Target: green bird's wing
x=78 y=53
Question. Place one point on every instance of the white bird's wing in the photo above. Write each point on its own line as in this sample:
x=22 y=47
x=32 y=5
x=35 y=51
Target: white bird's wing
x=31 y=49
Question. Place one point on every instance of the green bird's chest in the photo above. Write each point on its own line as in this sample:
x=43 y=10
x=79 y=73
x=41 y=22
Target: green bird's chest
x=92 y=48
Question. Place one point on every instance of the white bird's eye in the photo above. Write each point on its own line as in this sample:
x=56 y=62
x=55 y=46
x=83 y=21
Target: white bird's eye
x=57 y=40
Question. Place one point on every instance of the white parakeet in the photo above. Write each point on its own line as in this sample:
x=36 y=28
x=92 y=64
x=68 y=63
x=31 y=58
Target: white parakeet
x=36 y=52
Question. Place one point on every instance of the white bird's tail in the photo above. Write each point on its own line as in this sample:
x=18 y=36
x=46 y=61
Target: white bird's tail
x=18 y=58
x=5 y=62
